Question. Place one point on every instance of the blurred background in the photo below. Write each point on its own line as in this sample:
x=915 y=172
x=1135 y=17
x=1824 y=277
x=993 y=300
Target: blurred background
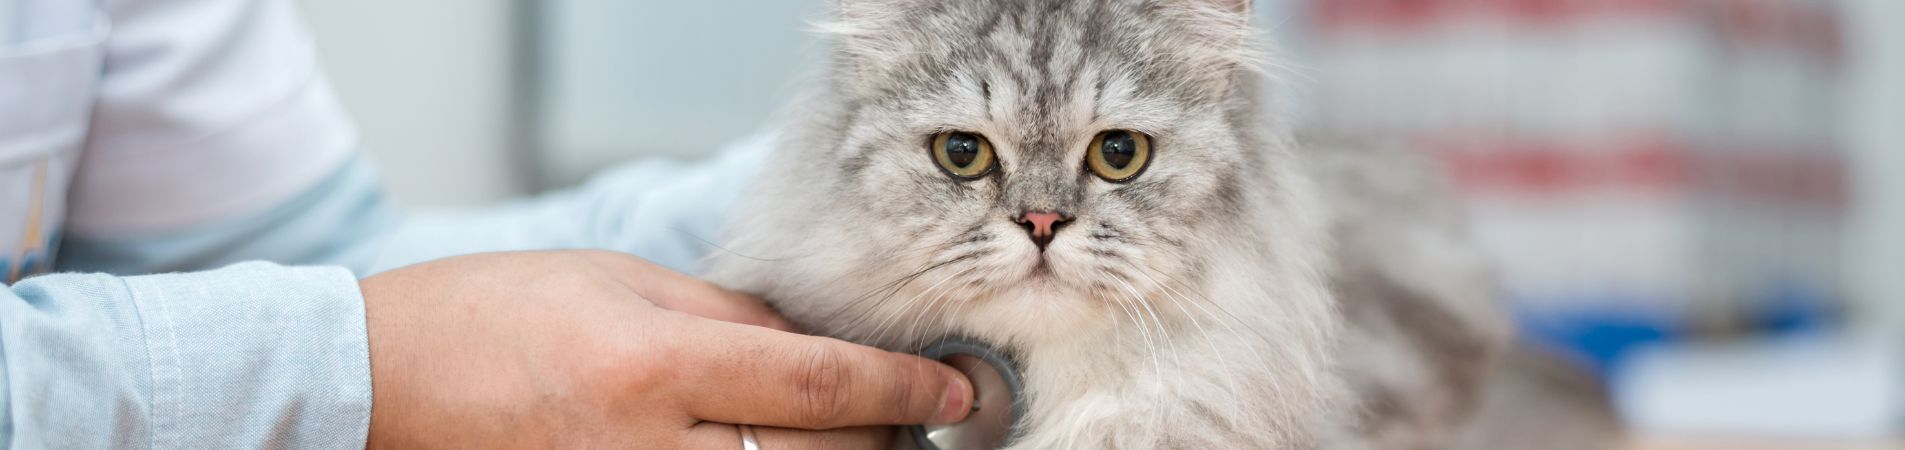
x=1699 y=200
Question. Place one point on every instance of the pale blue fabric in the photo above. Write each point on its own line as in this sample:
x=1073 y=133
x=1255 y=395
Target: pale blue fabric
x=666 y=212
x=261 y=355
x=250 y=356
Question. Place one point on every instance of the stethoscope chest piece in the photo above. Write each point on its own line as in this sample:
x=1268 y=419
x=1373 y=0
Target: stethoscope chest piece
x=998 y=399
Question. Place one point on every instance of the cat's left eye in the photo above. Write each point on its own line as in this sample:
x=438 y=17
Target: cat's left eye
x=1119 y=155
x=966 y=156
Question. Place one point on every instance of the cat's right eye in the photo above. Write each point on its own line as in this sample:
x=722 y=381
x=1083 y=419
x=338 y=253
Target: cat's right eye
x=963 y=155
x=1119 y=155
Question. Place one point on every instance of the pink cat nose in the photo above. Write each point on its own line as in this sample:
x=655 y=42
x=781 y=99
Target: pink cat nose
x=1043 y=226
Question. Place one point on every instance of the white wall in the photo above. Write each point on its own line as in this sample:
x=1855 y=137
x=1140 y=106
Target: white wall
x=626 y=79
x=429 y=84
x=1877 y=137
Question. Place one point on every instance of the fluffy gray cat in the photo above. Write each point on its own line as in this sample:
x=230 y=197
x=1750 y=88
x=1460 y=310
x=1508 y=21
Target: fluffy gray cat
x=1096 y=187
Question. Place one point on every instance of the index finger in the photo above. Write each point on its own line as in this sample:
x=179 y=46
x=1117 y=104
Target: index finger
x=759 y=376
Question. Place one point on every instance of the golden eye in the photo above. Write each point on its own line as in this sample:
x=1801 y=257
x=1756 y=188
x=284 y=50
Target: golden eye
x=965 y=156
x=1119 y=155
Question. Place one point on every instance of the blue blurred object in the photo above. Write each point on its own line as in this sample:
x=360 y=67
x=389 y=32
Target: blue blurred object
x=1797 y=307
x=1595 y=336
x=1601 y=331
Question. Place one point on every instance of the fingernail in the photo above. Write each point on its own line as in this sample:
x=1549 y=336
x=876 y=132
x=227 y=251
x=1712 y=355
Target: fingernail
x=957 y=402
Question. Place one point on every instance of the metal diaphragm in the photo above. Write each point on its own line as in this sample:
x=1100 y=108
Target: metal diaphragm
x=998 y=399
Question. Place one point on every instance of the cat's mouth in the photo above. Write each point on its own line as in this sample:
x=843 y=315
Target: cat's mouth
x=1046 y=274
x=1041 y=268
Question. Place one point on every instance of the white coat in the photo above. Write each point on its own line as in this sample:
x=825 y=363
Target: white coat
x=127 y=117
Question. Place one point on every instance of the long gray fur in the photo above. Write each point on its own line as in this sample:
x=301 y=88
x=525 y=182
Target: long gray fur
x=1194 y=307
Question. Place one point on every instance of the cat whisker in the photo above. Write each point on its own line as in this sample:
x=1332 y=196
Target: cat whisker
x=1157 y=367
x=856 y=303
x=711 y=244
x=1171 y=248
x=1157 y=380
x=912 y=334
x=898 y=311
x=1140 y=300
x=1141 y=307
x=963 y=238
x=1176 y=298
x=892 y=315
x=1258 y=360
x=945 y=318
x=895 y=286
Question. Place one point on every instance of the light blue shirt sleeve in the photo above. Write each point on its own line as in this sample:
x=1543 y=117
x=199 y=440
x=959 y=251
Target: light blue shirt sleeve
x=670 y=213
x=664 y=211
x=257 y=355
x=330 y=224
x=249 y=356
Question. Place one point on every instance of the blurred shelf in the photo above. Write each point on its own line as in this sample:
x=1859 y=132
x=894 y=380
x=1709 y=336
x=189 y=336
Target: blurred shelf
x=1757 y=444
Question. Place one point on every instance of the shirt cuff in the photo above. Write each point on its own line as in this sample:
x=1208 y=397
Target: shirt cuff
x=256 y=355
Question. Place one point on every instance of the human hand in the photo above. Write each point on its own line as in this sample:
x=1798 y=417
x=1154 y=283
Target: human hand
x=603 y=350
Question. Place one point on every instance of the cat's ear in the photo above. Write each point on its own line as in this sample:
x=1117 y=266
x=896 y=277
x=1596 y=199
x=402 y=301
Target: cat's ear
x=865 y=38
x=863 y=17
x=861 y=8
x=1240 y=6
x=1223 y=31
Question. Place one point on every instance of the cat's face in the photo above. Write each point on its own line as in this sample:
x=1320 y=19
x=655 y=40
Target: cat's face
x=1083 y=183
x=1030 y=162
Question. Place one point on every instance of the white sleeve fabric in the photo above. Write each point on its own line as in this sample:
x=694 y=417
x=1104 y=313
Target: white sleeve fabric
x=206 y=110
